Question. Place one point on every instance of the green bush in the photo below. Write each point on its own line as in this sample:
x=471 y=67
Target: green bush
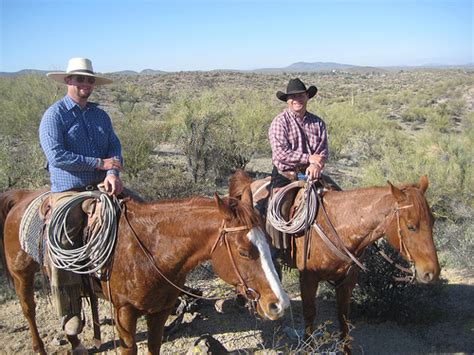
x=138 y=134
x=218 y=132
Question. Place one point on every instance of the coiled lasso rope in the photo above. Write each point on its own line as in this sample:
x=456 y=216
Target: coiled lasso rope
x=305 y=211
x=92 y=256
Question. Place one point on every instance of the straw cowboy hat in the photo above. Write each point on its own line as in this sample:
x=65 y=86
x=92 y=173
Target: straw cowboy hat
x=296 y=86
x=78 y=66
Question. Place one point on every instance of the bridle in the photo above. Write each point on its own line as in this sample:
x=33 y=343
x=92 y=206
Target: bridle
x=347 y=256
x=252 y=295
x=410 y=273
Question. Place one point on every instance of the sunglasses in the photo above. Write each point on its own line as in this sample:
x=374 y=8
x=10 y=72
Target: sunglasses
x=82 y=78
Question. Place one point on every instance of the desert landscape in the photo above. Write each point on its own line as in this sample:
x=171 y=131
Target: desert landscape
x=383 y=125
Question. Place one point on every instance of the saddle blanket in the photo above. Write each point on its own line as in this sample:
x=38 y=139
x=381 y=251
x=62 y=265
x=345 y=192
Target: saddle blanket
x=31 y=229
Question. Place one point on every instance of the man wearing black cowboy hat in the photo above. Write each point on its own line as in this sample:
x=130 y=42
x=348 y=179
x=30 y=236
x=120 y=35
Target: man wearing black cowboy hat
x=297 y=137
x=299 y=148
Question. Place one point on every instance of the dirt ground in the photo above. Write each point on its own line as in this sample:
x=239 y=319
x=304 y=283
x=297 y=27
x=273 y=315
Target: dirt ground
x=240 y=332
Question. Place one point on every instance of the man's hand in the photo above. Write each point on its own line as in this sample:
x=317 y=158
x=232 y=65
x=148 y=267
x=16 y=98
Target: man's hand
x=113 y=184
x=317 y=159
x=313 y=171
x=109 y=163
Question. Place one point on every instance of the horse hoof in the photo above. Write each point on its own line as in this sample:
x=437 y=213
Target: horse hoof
x=73 y=326
x=80 y=350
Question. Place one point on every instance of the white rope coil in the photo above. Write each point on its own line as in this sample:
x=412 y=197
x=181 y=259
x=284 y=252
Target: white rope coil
x=298 y=222
x=93 y=255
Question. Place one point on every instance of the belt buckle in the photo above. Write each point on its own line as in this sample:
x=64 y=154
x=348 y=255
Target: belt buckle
x=90 y=188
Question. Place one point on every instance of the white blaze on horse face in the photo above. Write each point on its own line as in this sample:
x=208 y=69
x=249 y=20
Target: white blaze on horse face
x=257 y=238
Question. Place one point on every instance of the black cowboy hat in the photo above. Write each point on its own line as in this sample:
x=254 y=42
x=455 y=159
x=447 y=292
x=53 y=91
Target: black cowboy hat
x=296 y=86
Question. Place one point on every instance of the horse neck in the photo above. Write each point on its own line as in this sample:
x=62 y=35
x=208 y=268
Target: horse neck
x=184 y=231
x=360 y=216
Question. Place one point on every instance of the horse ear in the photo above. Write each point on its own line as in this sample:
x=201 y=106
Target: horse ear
x=222 y=206
x=396 y=192
x=423 y=183
x=247 y=196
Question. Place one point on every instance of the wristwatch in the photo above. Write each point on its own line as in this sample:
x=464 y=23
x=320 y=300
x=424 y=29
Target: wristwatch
x=100 y=163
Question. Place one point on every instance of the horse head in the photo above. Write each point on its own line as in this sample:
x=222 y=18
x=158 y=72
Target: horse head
x=242 y=257
x=411 y=230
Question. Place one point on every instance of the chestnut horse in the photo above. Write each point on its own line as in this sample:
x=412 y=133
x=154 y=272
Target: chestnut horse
x=163 y=238
x=360 y=217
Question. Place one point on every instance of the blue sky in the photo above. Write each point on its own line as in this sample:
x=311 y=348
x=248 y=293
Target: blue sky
x=179 y=35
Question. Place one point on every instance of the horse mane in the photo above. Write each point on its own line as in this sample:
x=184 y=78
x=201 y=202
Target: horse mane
x=238 y=182
x=243 y=212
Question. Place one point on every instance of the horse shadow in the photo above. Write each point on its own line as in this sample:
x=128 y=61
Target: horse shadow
x=234 y=319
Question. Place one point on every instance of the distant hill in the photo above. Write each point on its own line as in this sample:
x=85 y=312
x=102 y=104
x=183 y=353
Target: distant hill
x=152 y=72
x=24 y=72
x=317 y=66
x=314 y=67
x=295 y=67
x=124 y=72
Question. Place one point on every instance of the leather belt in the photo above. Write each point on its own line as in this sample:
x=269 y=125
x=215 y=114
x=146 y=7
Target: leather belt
x=85 y=188
x=292 y=174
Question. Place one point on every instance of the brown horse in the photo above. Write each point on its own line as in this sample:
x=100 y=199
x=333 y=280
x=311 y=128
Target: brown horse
x=360 y=217
x=169 y=238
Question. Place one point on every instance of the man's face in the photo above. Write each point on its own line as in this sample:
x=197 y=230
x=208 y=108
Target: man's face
x=80 y=85
x=297 y=102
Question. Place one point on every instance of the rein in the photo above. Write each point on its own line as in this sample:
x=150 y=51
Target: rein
x=348 y=256
x=251 y=294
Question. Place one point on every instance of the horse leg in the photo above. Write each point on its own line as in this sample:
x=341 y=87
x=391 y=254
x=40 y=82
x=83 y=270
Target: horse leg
x=126 y=323
x=156 y=325
x=343 y=297
x=24 y=289
x=76 y=345
x=308 y=287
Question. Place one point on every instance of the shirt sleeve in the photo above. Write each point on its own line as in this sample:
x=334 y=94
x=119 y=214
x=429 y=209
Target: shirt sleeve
x=322 y=148
x=281 y=148
x=115 y=148
x=52 y=142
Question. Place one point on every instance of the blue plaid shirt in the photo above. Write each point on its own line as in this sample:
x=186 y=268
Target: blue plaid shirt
x=73 y=139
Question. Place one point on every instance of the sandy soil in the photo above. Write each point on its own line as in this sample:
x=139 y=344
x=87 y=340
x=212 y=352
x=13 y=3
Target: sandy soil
x=238 y=331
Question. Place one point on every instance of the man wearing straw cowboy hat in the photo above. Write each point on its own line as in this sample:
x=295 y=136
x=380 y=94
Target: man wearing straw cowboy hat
x=82 y=150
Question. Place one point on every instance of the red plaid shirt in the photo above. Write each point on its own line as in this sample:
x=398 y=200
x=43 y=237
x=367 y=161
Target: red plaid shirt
x=294 y=139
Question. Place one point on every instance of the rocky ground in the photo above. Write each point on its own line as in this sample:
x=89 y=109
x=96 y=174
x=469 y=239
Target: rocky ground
x=239 y=332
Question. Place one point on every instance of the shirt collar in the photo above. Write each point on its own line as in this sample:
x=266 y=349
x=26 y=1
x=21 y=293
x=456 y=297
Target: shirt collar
x=295 y=116
x=70 y=103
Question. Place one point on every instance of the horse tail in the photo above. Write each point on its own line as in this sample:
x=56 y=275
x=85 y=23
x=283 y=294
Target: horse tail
x=7 y=201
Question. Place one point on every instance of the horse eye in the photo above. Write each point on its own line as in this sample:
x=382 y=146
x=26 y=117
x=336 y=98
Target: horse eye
x=244 y=253
x=411 y=228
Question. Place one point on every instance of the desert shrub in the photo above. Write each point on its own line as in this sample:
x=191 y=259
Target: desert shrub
x=138 y=134
x=22 y=165
x=23 y=100
x=416 y=114
x=447 y=161
x=455 y=239
x=378 y=297
x=217 y=132
x=166 y=182
x=453 y=107
x=439 y=122
x=352 y=132
x=195 y=127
